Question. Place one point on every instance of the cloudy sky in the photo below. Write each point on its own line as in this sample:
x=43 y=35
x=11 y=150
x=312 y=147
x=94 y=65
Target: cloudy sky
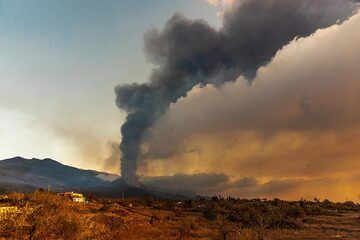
x=59 y=64
x=292 y=131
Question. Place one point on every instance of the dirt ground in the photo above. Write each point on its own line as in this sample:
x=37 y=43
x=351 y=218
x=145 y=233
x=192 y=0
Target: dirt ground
x=188 y=225
x=47 y=216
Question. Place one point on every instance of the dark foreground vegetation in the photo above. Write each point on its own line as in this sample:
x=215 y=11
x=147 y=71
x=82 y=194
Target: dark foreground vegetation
x=44 y=215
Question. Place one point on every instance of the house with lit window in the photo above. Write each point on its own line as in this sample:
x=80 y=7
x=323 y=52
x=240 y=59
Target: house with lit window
x=75 y=197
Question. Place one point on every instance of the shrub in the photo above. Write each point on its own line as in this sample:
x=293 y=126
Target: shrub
x=210 y=214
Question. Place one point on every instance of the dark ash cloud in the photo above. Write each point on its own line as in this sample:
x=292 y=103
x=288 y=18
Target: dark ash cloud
x=194 y=182
x=250 y=187
x=187 y=53
x=246 y=182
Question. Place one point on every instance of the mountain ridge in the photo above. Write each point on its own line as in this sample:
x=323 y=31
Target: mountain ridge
x=26 y=175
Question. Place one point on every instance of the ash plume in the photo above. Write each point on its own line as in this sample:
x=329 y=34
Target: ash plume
x=187 y=53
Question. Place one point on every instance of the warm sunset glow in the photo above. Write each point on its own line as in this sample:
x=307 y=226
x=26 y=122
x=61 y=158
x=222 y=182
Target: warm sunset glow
x=243 y=98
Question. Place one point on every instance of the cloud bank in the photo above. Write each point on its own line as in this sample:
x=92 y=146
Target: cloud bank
x=190 y=52
x=296 y=126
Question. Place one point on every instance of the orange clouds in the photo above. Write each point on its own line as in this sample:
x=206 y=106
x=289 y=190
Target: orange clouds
x=295 y=129
x=223 y=5
x=217 y=3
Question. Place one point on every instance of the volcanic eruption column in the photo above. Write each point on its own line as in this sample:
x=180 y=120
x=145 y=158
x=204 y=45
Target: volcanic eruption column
x=187 y=53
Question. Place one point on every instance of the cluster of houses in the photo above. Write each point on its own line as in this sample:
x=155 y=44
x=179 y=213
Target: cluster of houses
x=75 y=197
x=5 y=210
x=8 y=209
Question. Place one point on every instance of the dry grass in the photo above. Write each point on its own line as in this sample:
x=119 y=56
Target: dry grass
x=44 y=215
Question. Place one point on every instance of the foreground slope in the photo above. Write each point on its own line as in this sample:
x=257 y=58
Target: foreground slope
x=43 y=215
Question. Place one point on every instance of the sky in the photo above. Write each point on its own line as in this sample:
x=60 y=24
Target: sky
x=59 y=64
x=292 y=132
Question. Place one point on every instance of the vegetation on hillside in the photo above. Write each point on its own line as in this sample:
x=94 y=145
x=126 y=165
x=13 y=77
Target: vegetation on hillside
x=43 y=215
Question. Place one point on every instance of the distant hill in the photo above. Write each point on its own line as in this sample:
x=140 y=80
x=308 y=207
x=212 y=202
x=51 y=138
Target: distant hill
x=25 y=175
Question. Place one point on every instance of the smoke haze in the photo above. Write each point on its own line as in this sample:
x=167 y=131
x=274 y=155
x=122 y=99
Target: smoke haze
x=187 y=53
x=295 y=129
